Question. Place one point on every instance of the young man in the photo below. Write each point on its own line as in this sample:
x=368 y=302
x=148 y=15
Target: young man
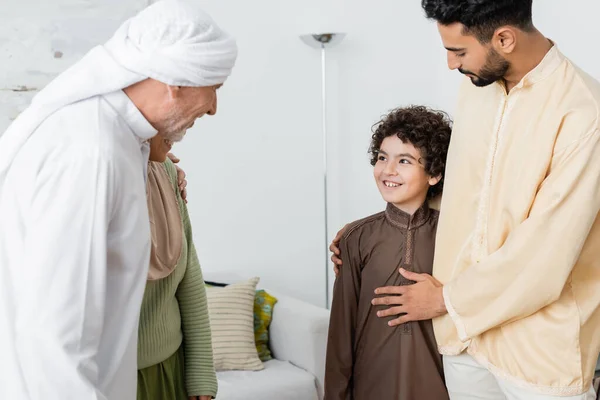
x=74 y=230
x=366 y=359
x=517 y=296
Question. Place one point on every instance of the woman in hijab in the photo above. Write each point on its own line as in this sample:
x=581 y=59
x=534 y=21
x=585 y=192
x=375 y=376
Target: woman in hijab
x=175 y=359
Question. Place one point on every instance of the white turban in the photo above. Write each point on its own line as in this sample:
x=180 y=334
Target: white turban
x=171 y=41
x=174 y=43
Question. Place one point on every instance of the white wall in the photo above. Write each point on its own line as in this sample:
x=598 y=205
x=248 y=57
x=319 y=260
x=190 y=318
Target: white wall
x=39 y=39
x=255 y=169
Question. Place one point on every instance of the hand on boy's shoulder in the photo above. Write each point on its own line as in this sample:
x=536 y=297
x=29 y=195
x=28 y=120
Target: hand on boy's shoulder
x=335 y=249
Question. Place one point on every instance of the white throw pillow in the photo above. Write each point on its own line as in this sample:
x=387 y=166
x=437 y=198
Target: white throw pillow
x=231 y=311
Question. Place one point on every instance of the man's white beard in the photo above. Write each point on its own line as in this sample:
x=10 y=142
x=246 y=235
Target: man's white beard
x=174 y=136
x=174 y=128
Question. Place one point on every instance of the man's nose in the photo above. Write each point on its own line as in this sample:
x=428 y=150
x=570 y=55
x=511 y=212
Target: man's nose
x=453 y=62
x=213 y=108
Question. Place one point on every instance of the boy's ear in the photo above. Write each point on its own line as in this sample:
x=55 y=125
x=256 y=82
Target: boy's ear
x=434 y=180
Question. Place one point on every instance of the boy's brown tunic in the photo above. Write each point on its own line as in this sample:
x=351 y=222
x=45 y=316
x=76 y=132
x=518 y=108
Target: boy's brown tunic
x=366 y=358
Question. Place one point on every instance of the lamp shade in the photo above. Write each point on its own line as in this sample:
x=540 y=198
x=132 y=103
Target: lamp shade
x=320 y=40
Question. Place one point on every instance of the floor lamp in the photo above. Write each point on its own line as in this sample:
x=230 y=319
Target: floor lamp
x=324 y=41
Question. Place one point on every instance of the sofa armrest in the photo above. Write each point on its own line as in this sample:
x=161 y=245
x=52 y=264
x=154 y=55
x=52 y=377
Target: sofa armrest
x=298 y=334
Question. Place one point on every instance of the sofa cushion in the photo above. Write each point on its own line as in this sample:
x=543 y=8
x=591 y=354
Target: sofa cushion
x=279 y=380
x=263 y=314
x=231 y=312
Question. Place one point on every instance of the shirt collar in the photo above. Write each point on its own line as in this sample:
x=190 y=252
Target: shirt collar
x=545 y=68
x=404 y=220
x=131 y=115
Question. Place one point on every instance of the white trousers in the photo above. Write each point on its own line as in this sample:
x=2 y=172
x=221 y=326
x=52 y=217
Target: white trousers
x=466 y=379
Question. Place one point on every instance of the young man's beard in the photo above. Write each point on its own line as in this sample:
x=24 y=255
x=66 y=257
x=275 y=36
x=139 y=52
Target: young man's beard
x=494 y=69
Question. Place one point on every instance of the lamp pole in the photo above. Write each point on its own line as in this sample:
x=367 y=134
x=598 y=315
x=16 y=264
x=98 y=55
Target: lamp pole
x=323 y=41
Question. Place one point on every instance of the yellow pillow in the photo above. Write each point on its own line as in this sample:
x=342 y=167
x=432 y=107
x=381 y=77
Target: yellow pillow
x=263 y=313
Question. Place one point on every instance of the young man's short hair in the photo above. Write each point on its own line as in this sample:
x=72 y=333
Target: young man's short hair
x=481 y=17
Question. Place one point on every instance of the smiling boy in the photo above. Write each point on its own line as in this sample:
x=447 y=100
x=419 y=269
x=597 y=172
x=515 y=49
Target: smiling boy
x=366 y=358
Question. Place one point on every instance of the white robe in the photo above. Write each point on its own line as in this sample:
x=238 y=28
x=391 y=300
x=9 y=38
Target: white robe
x=74 y=254
x=74 y=234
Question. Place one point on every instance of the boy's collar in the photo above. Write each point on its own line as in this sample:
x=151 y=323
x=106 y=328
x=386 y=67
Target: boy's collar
x=404 y=220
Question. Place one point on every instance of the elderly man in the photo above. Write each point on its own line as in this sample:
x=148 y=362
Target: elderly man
x=74 y=231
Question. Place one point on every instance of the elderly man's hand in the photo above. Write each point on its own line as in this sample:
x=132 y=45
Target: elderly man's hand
x=180 y=177
x=420 y=301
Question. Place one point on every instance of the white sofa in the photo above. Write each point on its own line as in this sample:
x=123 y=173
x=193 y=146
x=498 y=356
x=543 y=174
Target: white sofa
x=298 y=341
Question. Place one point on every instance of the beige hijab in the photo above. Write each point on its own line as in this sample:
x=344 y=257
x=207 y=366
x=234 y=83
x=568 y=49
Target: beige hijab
x=165 y=223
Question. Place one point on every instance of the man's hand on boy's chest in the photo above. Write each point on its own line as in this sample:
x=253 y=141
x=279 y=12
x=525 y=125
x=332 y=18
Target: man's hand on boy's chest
x=420 y=301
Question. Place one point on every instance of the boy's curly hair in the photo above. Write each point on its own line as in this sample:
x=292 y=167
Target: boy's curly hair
x=426 y=129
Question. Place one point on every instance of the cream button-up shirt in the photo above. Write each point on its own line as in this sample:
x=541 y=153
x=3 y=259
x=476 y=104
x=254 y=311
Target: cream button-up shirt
x=518 y=245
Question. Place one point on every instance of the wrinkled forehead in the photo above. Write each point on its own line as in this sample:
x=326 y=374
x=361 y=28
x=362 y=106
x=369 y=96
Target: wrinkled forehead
x=201 y=89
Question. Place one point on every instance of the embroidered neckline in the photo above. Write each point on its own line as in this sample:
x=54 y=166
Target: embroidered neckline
x=404 y=220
